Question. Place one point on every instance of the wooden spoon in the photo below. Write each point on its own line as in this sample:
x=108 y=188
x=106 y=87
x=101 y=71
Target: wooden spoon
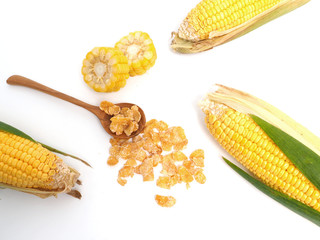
x=103 y=117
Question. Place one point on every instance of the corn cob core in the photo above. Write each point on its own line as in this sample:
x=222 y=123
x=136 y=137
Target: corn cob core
x=27 y=164
x=139 y=49
x=210 y=17
x=105 y=69
x=238 y=134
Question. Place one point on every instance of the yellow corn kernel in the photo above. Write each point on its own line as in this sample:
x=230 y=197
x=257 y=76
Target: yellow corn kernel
x=105 y=69
x=22 y=169
x=139 y=49
x=211 y=17
x=272 y=166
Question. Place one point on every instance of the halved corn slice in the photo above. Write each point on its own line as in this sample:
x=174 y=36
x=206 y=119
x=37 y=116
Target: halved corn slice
x=139 y=49
x=27 y=166
x=214 y=22
x=105 y=69
x=239 y=123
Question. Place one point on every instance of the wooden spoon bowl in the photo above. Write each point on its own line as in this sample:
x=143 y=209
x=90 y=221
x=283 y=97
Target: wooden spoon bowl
x=101 y=115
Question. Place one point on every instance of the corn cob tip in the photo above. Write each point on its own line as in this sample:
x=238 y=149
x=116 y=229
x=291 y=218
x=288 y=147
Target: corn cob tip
x=187 y=31
x=65 y=177
x=206 y=104
x=184 y=46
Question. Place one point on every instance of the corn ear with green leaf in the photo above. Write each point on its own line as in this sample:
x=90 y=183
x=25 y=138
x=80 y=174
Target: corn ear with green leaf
x=278 y=151
x=215 y=22
x=31 y=167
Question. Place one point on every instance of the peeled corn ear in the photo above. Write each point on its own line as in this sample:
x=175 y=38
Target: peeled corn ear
x=139 y=49
x=213 y=17
x=214 y=22
x=277 y=150
x=28 y=167
x=105 y=69
x=247 y=142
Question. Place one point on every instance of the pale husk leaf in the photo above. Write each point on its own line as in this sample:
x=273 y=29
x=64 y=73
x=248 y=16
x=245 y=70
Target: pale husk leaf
x=246 y=103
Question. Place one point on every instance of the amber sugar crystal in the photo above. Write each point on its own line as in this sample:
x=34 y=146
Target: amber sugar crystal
x=158 y=145
x=165 y=201
x=124 y=120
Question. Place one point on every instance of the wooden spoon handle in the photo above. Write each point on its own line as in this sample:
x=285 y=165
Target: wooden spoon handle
x=26 y=82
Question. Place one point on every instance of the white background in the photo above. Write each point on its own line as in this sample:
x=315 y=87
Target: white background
x=47 y=41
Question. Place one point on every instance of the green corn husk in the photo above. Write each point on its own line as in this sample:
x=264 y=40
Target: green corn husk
x=306 y=160
x=295 y=141
x=294 y=205
x=218 y=38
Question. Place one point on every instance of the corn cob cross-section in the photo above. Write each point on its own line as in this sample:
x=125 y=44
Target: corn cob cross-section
x=240 y=135
x=105 y=69
x=29 y=167
x=139 y=49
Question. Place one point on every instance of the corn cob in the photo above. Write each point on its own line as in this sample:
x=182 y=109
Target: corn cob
x=214 y=22
x=212 y=16
x=230 y=119
x=246 y=142
x=105 y=69
x=29 y=167
x=139 y=49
